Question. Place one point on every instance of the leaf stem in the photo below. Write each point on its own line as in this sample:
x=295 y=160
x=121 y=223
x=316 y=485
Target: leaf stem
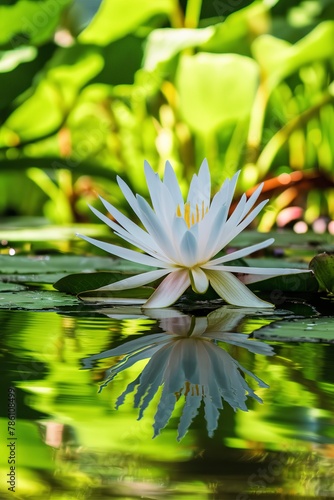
x=193 y=12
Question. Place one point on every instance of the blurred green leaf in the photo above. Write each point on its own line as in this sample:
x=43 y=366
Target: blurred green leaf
x=73 y=67
x=39 y=115
x=163 y=44
x=33 y=233
x=323 y=267
x=35 y=22
x=212 y=89
x=235 y=33
x=112 y=21
x=279 y=58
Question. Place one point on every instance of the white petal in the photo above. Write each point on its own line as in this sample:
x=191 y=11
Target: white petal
x=129 y=232
x=200 y=187
x=263 y=271
x=252 y=199
x=163 y=201
x=125 y=253
x=240 y=253
x=232 y=232
x=172 y=184
x=204 y=179
x=199 y=280
x=188 y=249
x=170 y=289
x=233 y=291
x=154 y=185
x=156 y=228
x=135 y=281
x=129 y=196
x=210 y=247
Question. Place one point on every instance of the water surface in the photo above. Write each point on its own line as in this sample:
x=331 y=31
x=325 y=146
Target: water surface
x=73 y=443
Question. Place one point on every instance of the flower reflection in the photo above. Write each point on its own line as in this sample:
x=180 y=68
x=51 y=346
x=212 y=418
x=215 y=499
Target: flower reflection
x=187 y=361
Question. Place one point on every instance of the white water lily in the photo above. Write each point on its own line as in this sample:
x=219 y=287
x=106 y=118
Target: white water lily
x=182 y=239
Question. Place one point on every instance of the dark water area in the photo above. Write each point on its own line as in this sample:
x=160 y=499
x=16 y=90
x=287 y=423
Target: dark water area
x=91 y=388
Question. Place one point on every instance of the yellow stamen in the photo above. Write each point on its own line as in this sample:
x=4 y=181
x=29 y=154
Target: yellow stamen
x=192 y=216
x=187 y=214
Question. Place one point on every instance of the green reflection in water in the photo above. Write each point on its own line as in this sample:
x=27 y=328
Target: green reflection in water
x=74 y=444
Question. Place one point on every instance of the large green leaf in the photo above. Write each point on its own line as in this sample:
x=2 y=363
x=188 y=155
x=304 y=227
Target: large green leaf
x=163 y=44
x=279 y=58
x=229 y=36
x=68 y=71
x=26 y=20
x=212 y=89
x=73 y=67
x=115 y=19
x=40 y=114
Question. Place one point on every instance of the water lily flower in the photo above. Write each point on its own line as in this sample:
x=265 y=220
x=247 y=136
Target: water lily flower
x=187 y=362
x=181 y=239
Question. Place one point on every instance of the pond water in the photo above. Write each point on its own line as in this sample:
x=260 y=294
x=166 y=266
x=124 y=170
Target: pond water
x=76 y=373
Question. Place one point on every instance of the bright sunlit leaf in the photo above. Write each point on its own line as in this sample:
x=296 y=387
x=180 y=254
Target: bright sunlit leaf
x=110 y=23
x=212 y=89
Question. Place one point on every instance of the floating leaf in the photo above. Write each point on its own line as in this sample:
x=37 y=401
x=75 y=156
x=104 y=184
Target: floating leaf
x=65 y=263
x=301 y=330
x=135 y=296
x=36 y=300
x=77 y=283
x=11 y=287
x=323 y=267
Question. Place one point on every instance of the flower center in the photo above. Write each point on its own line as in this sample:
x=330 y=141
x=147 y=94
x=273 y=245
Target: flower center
x=192 y=216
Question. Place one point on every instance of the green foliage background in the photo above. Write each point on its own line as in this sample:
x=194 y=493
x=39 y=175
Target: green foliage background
x=89 y=89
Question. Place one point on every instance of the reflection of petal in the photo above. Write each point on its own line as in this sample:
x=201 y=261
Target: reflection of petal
x=242 y=340
x=128 y=348
x=186 y=361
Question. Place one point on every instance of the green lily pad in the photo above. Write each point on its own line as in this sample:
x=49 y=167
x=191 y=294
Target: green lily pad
x=300 y=330
x=11 y=287
x=77 y=283
x=37 y=300
x=132 y=296
x=323 y=267
x=304 y=282
x=64 y=263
